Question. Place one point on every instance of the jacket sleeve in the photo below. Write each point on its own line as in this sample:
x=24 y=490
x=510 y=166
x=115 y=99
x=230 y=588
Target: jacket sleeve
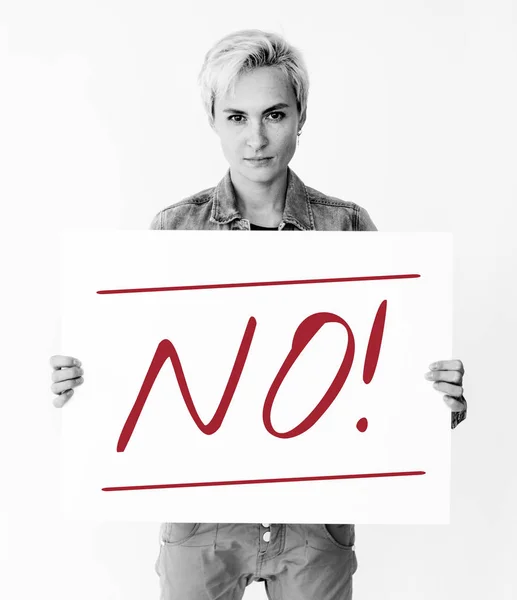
x=156 y=223
x=364 y=222
x=458 y=417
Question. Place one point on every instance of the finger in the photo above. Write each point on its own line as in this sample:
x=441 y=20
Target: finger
x=66 y=373
x=62 y=399
x=447 y=365
x=456 y=391
x=63 y=386
x=448 y=376
x=58 y=361
x=455 y=404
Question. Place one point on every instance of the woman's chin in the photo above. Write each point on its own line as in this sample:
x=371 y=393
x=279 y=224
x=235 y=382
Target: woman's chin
x=261 y=174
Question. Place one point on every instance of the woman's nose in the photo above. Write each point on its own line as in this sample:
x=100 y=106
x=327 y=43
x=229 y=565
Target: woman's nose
x=257 y=137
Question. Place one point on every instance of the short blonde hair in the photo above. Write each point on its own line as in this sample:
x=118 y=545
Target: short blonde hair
x=243 y=51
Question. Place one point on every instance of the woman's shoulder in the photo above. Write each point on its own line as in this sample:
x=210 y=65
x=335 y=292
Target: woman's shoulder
x=331 y=212
x=323 y=212
x=185 y=214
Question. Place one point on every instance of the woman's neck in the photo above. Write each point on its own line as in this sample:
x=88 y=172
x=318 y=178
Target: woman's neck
x=260 y=203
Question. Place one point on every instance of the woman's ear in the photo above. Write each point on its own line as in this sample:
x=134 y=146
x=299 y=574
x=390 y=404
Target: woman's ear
x=302 y=119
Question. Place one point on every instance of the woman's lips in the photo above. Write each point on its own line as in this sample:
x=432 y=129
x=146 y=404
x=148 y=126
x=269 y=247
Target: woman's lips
x=257 y=162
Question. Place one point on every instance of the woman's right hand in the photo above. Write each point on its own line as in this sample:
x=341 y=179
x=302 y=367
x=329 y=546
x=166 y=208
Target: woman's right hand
x=67 y=374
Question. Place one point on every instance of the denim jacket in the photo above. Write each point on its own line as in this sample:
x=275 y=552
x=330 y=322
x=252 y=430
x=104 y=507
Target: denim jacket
x=305 y=209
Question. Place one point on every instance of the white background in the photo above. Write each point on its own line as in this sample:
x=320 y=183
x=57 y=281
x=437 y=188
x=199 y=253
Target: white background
x=411 y=115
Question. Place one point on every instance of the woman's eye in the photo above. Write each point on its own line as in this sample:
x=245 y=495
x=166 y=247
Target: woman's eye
x=276 y=116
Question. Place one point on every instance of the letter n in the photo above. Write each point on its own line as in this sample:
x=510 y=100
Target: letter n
x=166 y=350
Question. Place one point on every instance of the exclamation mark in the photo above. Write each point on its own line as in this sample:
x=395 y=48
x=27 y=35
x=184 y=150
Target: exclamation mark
x=372 y=353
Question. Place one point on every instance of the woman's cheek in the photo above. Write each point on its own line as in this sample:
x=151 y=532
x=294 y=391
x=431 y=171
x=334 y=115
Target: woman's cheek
x=286 y=139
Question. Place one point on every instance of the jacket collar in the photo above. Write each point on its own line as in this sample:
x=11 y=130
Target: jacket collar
x=297 y=209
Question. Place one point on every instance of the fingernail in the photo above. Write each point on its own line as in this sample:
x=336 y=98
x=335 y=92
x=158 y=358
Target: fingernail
x=77 y=363
x=428 y=375
x=433 y=366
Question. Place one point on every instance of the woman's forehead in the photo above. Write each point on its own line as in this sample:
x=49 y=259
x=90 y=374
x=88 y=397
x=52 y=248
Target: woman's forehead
x=258 y=88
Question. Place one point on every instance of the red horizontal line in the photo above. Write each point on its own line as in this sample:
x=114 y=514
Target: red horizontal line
x=253 y=481
x=213 y=286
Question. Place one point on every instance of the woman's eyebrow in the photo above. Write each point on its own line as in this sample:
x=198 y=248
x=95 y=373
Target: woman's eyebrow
x=271 y=108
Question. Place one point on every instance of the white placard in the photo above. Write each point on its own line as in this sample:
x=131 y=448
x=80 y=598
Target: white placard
x=261 y=462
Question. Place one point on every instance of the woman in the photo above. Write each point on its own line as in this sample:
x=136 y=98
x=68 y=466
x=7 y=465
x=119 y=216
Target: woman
x=254 y=89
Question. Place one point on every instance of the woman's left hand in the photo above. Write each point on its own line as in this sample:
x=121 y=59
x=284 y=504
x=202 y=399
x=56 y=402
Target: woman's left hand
x=448 y=378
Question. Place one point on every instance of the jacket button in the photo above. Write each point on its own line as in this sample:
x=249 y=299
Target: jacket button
x=266 y=525
x=266 y=537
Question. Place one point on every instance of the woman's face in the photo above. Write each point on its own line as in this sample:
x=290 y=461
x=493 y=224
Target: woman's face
x=258 y=125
